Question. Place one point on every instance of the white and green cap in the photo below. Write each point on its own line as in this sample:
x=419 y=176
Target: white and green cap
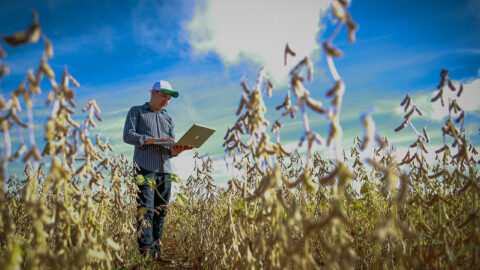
x=165 y=87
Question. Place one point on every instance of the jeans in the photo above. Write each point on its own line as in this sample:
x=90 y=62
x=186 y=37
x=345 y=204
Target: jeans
x=155 y=201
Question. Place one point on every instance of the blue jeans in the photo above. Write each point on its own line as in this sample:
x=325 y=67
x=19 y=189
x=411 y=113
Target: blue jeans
x=155 y=201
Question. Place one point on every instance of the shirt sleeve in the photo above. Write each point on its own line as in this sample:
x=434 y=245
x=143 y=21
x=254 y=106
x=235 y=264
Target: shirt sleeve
x=130 y=134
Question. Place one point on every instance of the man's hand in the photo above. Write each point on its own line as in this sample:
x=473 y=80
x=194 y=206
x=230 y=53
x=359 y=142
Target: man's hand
x=152 y=140
x=177 y=149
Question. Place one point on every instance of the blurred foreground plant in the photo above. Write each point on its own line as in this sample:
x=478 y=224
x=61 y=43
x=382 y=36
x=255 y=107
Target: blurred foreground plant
x=74 y=206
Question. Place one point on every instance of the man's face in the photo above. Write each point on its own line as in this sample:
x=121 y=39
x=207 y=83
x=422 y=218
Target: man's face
x=161 y=98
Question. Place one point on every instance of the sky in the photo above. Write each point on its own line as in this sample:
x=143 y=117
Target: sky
x=117 y=49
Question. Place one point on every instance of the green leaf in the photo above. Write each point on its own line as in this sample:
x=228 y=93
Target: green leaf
x=182 y=199
x=176 y=178
x=139 y=179
x=151 y=182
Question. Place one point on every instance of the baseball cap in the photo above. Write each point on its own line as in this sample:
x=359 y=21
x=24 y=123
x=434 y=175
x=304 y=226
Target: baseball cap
x=165 y=87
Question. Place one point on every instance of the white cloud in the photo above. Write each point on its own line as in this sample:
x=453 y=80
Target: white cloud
x=470 y=99
x=257 y=30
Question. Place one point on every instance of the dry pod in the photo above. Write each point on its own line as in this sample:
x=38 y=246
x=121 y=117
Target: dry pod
x=330 y=50
x=3 y=54
x=22 y=37
x=48 y=48
x=339 y=11
x=460 y=90
x=402 y=126
x=287 y=52
x=338 y=85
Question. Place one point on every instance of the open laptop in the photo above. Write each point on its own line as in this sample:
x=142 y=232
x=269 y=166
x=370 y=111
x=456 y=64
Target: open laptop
x=194 y=137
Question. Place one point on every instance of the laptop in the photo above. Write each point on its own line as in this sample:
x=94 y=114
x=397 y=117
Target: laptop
x=195 y=136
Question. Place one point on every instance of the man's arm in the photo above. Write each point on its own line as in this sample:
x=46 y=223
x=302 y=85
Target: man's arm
x=130 y=134
x=177 y=149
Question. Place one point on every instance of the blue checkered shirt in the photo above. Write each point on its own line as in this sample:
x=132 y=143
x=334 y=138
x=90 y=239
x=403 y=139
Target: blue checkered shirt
x=143 y=123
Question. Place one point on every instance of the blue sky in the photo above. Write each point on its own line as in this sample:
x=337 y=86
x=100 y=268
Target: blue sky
x=117 y=49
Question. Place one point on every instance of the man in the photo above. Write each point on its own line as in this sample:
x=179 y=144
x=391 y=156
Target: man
x=146 y=125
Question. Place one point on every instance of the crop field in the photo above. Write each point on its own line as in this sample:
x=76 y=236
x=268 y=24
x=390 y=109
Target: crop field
x=75 y=205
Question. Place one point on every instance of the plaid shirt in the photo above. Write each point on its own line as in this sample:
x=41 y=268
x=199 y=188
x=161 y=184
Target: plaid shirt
x=143 y=123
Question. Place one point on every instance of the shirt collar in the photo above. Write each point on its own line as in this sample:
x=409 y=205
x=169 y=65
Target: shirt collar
x=147 y=106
